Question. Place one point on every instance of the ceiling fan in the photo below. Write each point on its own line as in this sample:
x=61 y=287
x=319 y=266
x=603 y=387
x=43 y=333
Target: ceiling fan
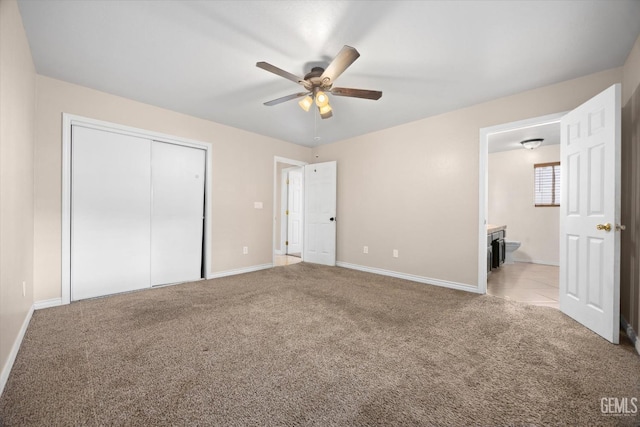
x=319 y=81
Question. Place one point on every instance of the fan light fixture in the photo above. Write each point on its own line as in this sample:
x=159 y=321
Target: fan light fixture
x=306 y=102
x=530 y=144
x=322 y=99
x=325 y=111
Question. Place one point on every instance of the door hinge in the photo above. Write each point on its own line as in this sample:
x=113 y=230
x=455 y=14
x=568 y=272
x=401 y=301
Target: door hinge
x=287 y=182
x=286 y=212
x=286 y=243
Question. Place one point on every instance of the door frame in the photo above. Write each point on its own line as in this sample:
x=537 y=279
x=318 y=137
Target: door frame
x=68 y=120
x=483 y=181
x=276 y=207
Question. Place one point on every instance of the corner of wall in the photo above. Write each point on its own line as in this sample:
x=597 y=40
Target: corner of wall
x=629 y=268
x=8 y=364
x=631 y=73
x=17 y=119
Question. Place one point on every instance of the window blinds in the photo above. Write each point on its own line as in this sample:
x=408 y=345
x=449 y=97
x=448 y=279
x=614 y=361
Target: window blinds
x=547 y=184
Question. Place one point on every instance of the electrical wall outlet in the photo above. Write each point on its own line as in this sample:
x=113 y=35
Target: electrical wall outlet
x=245 y=250
x=395 y=253
x=365 y=250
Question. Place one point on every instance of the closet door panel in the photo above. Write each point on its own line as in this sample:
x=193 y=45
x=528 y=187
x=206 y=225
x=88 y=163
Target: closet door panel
x=110 y=213
x=178 y=177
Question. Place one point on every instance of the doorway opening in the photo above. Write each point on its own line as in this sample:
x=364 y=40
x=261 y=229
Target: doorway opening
x=589 y=236
x=291 y=211
x=288 y=207
x=527 y=266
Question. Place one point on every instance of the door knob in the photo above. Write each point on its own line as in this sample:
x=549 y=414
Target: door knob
x=620 y=227
x=606 y=227
x=332 y=219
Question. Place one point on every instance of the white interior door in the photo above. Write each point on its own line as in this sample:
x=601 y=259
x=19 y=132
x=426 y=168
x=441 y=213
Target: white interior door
x=320 y=213
x=590 y=204
x=110 y=213
x=177 y=214
x=295 y=212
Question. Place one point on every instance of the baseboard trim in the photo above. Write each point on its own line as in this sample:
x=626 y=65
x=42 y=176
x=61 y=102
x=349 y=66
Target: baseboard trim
x=633 y=336
x=537 y=261
x=243 y=270
x=47 y=303
x=411 y=277
x=6 y=369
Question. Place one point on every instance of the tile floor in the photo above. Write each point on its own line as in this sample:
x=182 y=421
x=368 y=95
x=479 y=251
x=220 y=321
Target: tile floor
x=286 y=260
x=534 y=284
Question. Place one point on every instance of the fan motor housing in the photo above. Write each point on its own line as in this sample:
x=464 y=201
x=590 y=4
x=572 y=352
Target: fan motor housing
x=313 y=77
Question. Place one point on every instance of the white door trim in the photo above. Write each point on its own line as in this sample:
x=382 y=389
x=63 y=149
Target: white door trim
x=69 y=120
x=276 y=207
x=483 y=184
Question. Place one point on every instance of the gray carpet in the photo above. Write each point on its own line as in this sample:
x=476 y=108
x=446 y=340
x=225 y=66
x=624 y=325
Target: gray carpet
x=313 y=345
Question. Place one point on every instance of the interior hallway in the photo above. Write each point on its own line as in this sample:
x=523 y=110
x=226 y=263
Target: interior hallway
x=534 y=284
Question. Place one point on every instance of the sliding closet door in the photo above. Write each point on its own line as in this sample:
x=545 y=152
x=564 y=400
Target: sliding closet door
x=110 y=213
x=178 y=176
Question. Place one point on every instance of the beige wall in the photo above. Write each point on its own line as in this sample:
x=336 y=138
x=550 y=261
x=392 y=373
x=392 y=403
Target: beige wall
x=510 y=179
x=414 y=187
x=17 y=108
x=242 y=174
x=630 y=238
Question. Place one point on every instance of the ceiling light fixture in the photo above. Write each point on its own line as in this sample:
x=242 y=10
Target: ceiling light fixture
x=530 y=144
x=325 y=111
x=321 y=99
x=305 y=103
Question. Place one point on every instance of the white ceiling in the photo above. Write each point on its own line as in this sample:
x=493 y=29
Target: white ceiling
x=427 y=57
x=510 y=140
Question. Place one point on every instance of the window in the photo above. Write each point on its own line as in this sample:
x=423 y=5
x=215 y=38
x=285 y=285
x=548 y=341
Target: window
x=547 y=184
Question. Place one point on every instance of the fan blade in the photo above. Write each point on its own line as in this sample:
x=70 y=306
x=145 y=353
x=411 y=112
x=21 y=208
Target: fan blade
x=280 y=72
x=356 y=93
x=345 y=58
x=286 y=98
